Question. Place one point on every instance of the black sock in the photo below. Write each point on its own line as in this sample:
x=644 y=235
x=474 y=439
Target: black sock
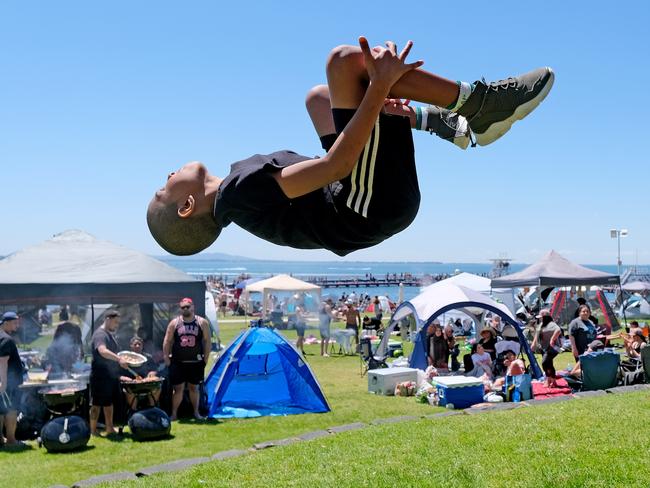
x=327 y=141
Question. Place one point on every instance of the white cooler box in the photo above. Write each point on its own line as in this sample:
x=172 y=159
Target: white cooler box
x=383 y=381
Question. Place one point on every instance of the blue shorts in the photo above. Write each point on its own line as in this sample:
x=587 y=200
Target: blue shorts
x=300 y=329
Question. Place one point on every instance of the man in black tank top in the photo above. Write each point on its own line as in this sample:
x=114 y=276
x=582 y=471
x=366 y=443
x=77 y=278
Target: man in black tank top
x=186 y=348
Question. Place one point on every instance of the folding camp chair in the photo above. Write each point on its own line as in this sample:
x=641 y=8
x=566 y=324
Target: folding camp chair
x=631 y=371
x=368 y=358
x=645 y=362
x=599 y=371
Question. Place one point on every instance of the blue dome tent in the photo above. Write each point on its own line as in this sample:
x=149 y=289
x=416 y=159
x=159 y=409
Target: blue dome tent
x=435 y=301
x=262 y=374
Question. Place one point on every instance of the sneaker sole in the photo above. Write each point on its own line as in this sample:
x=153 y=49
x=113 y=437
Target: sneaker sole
x=497 y=129
x=461 y=142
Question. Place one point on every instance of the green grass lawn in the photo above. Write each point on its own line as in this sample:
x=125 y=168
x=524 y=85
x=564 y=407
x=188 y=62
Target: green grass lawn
x=593 y=442
x=339 y=376
x=562 y=442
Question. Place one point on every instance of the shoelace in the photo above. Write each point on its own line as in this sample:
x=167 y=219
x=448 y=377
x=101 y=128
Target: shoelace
x=505 y=84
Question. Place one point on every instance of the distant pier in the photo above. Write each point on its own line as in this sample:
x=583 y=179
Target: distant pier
x=325 y=282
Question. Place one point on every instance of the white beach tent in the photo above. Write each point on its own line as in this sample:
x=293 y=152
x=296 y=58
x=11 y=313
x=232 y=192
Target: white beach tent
x=480 y=284
x=434 y=302
x=280 y=283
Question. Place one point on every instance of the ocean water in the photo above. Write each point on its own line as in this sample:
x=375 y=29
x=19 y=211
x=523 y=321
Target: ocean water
x=229 y=270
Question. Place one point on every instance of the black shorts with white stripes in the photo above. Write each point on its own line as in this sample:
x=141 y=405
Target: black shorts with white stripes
x=383 y=187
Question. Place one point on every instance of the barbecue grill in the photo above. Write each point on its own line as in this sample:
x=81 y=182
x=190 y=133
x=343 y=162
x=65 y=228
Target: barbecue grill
x=66 y=431
x=142 y=387
x=64 y=399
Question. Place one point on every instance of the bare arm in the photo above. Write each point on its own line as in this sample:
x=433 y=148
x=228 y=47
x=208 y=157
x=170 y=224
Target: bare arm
x=207 y=342
x=106 y=353
x=556 y=334
x=4 y=367
x=536 y=338
x=384 y=67
x=168 y=340
x=574 y=349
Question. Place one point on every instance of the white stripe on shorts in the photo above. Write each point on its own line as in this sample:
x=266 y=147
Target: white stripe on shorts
x=366 y=172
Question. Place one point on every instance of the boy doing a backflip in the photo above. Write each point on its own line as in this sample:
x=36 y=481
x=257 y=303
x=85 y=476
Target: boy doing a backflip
x=343 y=201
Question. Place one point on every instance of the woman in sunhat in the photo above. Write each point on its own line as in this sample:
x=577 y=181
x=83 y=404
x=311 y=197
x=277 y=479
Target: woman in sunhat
x=489 y=340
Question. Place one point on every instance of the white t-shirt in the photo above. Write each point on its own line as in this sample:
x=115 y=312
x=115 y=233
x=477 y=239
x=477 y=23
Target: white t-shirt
x=482 y=364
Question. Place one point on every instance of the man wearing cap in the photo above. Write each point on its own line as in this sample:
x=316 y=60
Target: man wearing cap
x=105 y=372
x=11 y=377
x=186 y=348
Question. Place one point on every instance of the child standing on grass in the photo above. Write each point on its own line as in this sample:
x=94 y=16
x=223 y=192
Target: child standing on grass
x=343 y=201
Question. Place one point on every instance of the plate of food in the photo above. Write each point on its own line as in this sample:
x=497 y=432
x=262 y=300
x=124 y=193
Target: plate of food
x=132 y=358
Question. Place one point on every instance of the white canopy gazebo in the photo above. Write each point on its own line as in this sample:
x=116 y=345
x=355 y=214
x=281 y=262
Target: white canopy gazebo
x=280 y=283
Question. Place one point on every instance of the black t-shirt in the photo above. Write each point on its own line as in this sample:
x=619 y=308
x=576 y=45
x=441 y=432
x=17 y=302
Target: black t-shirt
x=583 y=333
x=102 y=367
x=250 y=197
x=15 y=364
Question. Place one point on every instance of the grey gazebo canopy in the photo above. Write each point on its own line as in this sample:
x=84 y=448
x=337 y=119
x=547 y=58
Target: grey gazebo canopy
x=554 y=270
x=76 y=268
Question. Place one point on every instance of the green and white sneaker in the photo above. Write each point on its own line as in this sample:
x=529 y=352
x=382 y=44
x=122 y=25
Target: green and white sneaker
x=447 y=125
x=492 y=108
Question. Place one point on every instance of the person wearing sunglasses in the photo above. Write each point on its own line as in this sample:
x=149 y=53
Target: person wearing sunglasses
x=186 y=348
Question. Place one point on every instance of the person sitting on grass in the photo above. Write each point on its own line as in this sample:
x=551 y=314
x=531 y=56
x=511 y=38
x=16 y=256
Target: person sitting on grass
x=482 y=363
x=489 y=340
x=344 y=201
x=452 y=347
x=438 y=348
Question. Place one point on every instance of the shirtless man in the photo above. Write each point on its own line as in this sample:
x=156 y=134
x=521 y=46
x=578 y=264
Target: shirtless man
x=352 y=320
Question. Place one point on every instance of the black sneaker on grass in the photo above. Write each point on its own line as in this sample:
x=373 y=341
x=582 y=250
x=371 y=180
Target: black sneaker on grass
x=492 y=108
x=447 y=125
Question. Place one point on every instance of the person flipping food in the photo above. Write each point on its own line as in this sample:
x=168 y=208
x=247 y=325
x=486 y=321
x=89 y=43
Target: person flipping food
x=186 y=348
x=105 y=372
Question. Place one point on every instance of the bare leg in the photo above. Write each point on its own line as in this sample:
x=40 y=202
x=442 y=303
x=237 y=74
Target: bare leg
x=347 y=79
x=94 y=417
x=194 y=399
x=324 y=344
x=320 y=110
x=10 y=426
x=177 y=398
x=108 y=419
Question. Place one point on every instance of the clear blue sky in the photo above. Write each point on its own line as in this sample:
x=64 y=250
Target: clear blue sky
x=99 y=100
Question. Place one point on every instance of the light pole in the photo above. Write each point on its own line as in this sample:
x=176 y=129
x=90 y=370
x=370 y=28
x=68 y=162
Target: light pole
x=617 y=234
